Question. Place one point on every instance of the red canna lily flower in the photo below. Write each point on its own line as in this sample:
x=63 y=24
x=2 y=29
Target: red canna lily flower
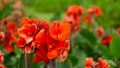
x=22 y=44
x=28 y=21
x=118 y=30
x=73 y=17
x=74 y=10
x=41 y=54
x=100 y=31
x=2 y=36
x=103 y=63
x=59 y=31
x=88 y=20
x=10 y=33
x=27 y=34
x=107 y=40
x=95 y=10
x=41 y=43
x=49 y=41
x=59 y=50
x=1 y=60
x=92 y=12
x=8 y=47
x=12 y=27
x=1 y=57
x=90 y=63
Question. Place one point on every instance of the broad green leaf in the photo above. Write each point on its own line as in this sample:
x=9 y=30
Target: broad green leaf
x=88 y=36
x=103 y=51
x=66 y=64
x=115 y=46
x=17 y=50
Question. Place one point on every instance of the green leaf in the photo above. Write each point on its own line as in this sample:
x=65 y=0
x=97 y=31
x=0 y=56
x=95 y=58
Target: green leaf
x=103 y=50
x=66 y=64
x=81 y=58
x=21 y=62
x=17 y=50
x=115 y=46
x=88 y=36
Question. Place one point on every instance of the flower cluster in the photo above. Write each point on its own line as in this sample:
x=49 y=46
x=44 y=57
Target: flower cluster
x=1 y=60
x=118 y=30
x=47 y=40
x=107 y=40
x=100 y=31
x=10 y=33
x=73 y=17
x=8 y=36
x=90 y=63
x=94 y=11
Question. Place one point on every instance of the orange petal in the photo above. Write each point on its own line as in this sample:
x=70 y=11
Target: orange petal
x=52 y=54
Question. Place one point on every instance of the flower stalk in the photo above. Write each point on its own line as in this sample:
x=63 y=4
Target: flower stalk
x=52 y=63
x=27 y=64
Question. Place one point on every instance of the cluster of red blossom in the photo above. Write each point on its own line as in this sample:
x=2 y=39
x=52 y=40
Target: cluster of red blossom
x=73 y=17
x=107 y=39
x=92 y=12
x=1 y=60
x=75 y=13
x=8 y=27
x=90 y=63
x=47 y=40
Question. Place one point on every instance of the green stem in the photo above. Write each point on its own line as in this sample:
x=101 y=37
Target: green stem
x=45 y=65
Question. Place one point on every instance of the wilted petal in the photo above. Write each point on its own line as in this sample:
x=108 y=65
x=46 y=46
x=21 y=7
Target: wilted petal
x=63 y=55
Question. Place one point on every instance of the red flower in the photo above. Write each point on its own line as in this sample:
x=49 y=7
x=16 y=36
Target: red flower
x=118 y=30
x=2 y=66
x=41 y=43
x=12 y=27
x=58 y=50
x=95 y=10
x=107 y=40
x=1 y=57
x=73 y=17
x=88 y=20
x=90 y=63
x=49 y=41
x=103 y=63
x=100 y=31
x=60 y=31
x=8 y=47
x=10 y=33
x=74 y=10
x=41 y=54
x=27 y=33
x=2 y=36
x=1 y=60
